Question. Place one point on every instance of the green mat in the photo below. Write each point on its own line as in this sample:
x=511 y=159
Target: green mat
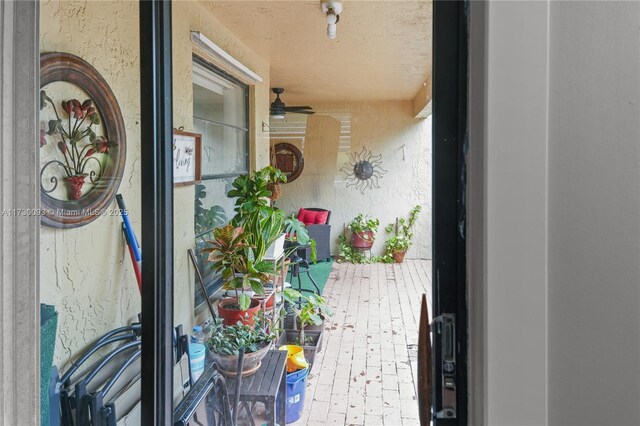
x=48 y=326
x=320 y=274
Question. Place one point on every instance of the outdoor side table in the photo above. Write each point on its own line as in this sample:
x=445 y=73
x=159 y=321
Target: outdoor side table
x=301 y=266
x=264 y=386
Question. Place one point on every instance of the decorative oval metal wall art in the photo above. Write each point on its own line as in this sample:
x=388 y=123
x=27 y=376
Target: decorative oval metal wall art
x=363 y=170
x=82 y=142
x=289 y=159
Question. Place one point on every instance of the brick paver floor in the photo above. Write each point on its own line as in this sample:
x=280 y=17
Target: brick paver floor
x=366 y=372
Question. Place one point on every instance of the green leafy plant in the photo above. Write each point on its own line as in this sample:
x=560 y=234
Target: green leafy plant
x=231 y=255
x=206 y=219
x=297 y=234
x=313 y=310
x=252 y=192
x=349 y=254
x=263 y=228
x=273 y=174
x=401 y=234
x=230 y=339
x=363 y=223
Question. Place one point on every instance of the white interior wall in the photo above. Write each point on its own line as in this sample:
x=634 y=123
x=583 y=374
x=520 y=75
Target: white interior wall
x=562 y=213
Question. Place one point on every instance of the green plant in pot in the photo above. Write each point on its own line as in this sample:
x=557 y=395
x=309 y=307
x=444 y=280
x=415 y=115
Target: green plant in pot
x=401 y=236
x=309 y=315
x=227 y=341
x=252 y=192
x=363 y=231
x=276 y=178
x=231 y=255
x=254 y=212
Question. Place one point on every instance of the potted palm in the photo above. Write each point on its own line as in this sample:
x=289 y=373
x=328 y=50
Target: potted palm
x=401 y=239
x=363 y=231
x=227 y=341
x=231 y=255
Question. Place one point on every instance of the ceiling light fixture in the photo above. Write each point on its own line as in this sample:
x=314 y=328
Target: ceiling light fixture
x=332 y=10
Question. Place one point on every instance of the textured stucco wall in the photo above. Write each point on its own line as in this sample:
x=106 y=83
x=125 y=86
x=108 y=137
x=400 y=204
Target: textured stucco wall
x=387 y=128
x=189 y=16
x=86 y=272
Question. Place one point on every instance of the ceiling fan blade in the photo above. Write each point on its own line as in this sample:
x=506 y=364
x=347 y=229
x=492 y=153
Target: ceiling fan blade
x=301 y=111
x=288 y=108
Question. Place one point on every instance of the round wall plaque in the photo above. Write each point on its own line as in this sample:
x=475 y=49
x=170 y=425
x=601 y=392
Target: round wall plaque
x=289 y=159
x=82 y=141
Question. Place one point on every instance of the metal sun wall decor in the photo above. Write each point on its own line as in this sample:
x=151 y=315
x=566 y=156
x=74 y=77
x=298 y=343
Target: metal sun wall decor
x=82 y=142
x=363 y=170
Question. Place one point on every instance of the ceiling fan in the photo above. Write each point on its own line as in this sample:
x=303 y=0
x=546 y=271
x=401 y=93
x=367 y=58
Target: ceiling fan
x=278 y=108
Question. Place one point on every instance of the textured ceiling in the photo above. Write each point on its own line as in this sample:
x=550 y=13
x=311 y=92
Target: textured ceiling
x=382 y=51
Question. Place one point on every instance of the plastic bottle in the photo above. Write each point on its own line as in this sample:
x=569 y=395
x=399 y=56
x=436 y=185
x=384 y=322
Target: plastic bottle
x=198 y=336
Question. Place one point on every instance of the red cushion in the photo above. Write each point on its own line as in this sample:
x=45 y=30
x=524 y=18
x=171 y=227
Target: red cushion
x=311 y=217
x=307 y=217
x=322 y=217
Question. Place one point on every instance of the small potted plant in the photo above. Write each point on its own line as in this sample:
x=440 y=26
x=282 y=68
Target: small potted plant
x=231 y=255
x=401 y=239
x=363 y=231
x=308 y=322
x=226 y=342
x=276 y=178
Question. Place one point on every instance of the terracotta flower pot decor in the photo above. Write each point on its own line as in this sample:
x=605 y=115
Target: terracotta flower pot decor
x=362 y=240
x=74 y=186
x=398 y=256
x=231 y=316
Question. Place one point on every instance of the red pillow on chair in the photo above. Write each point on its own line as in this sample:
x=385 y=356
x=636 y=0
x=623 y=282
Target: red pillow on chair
x=311 y=217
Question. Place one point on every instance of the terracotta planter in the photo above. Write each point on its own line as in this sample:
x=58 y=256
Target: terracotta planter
x=232 y=316
x=74 y=186
x=228 y=364
x=276 y=190
x=398 y=256
x=362 y=240
x=269 y=302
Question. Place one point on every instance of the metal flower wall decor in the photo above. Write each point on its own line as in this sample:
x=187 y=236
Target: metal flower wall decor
x=82 y=142
x=363 y=170
x=77 y=142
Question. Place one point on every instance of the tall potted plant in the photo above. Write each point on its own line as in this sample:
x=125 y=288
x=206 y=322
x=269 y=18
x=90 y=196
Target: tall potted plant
x=231 y=255
x=254 y=212
x=363 y=231
x=402 y=236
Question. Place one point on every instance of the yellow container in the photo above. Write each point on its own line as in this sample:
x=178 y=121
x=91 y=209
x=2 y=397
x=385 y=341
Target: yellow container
x=295 y=358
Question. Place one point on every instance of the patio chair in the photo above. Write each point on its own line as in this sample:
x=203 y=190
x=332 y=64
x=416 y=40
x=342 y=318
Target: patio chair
x=316 y=221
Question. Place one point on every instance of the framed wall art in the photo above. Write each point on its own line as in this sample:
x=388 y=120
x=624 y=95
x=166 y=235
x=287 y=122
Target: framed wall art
x=187 y=163
x=82 y=142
